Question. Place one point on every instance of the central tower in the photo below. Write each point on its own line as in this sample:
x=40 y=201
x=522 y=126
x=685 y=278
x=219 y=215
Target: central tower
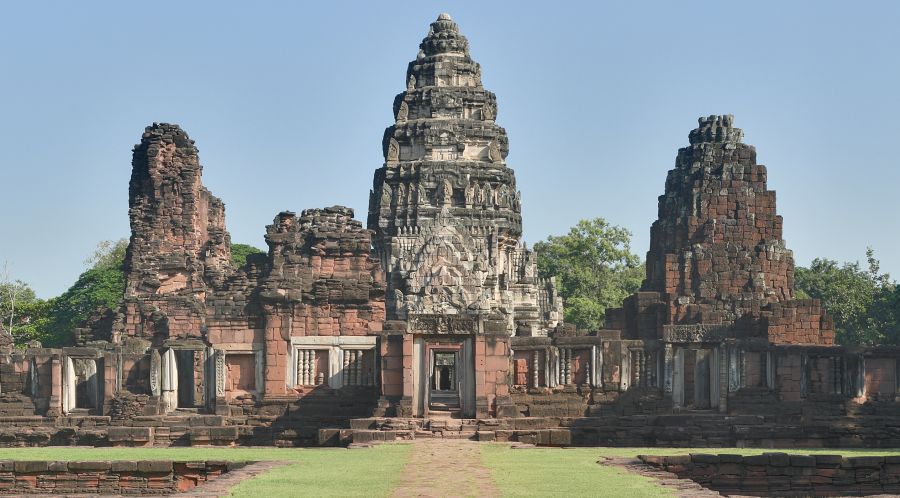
x=444 y=207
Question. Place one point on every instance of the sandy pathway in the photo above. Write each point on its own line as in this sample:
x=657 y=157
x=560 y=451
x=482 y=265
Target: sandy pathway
x=445 y=467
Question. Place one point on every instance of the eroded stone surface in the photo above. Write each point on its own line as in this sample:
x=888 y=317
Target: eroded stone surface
x=445 y=208
x=717 y=256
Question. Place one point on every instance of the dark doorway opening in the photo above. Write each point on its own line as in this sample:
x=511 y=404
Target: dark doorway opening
x=189 y=378
x=444 y=392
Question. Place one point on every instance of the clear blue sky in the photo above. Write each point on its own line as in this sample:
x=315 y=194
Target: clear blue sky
x=288 y=102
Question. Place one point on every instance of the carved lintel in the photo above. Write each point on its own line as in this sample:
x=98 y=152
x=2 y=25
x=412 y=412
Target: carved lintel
x=443 y=324
x=695 y=333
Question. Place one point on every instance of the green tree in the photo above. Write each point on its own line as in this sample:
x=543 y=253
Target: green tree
x=239 y=253
x=594 y=268
x=18 y=304
x=864 y=302
x=101 y=286
x=33 y=321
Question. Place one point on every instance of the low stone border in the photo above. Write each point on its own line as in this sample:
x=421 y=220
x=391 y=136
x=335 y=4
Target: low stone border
x=683 y=488
x=222 y=485
x=769 y=474
x=120 y=477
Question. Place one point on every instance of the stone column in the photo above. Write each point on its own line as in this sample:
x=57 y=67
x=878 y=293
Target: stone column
x=56 y=386
x=668 y=368
x=112 y=379
x=155 y=373
x=68 y=385
x=277 y=333
x=678 y=378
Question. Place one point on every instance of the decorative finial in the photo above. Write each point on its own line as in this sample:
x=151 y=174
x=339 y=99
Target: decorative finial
x=444 y=17
x=716 y=128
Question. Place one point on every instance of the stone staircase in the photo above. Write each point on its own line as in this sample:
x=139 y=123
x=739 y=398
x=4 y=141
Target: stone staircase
x=367 y=430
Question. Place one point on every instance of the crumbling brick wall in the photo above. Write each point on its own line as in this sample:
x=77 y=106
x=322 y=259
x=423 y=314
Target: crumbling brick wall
x=716 y=251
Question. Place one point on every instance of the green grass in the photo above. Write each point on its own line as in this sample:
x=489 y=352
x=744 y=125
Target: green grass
x=312 y=472
x=575 y=472
x=562 y=472
x=376 y=471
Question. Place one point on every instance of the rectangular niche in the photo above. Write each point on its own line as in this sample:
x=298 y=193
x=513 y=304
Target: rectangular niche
x=241 y=374
x=881 y=376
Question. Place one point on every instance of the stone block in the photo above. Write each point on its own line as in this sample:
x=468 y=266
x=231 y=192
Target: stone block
x=485 y=435
x=30 y=466
x=92 y=466
x=154 y=466
x=828 y=460
x=779 y=459
x=803 y=461
x=704 y=458
x=123 y=466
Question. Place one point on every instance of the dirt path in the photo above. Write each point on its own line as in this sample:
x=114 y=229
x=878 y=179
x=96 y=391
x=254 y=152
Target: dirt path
x=445 y=467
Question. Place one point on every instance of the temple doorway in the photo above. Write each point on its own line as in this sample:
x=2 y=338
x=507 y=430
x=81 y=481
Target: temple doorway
x=444 y=388
x=695 y=379
x=189 y=368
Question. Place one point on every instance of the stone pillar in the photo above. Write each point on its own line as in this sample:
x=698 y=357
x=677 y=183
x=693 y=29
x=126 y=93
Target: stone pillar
x=804 y=375
x=278 y=326
x=553 y=363
x=68 y=385
x=155 y=373
x=169 y=380
x=735 y=368
x=413 y=365
x=56 y=386
x=219 y=403
x=668 y=368
x=112 y=375
x=678 y=377
x=482 y=410
x=860 y=377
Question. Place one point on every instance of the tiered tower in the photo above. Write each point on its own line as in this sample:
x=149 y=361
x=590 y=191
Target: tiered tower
x=716 y=255
x=444 y=207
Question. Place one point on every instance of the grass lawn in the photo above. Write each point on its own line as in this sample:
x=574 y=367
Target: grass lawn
x=574 y=471
x=314 y=472
x=376 y=471
x=562 y=472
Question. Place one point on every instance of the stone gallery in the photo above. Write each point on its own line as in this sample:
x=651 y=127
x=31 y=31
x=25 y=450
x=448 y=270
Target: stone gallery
x=431 y=321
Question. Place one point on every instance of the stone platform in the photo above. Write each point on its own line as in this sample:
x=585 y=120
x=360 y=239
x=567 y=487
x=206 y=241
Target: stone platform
x=147 y=477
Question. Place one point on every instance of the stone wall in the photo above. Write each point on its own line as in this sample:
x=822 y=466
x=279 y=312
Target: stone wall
x=323 y=282
x=179 y=247
x=717 y=256
x=781 y=474
x=151 y=477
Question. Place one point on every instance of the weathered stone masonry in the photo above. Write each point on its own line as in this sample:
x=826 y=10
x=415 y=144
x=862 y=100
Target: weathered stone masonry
x=432 y=319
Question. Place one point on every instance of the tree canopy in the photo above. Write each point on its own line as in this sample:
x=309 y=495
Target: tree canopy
x=594 y=268
x=102 y=285
x=239 y=253
x=864 y=302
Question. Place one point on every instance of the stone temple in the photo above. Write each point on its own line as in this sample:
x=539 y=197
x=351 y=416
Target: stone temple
x=431 y=321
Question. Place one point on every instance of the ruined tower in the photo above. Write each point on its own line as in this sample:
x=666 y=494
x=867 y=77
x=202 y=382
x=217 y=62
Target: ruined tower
x=716 y=255
x=179 y=249
x=445 y=208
